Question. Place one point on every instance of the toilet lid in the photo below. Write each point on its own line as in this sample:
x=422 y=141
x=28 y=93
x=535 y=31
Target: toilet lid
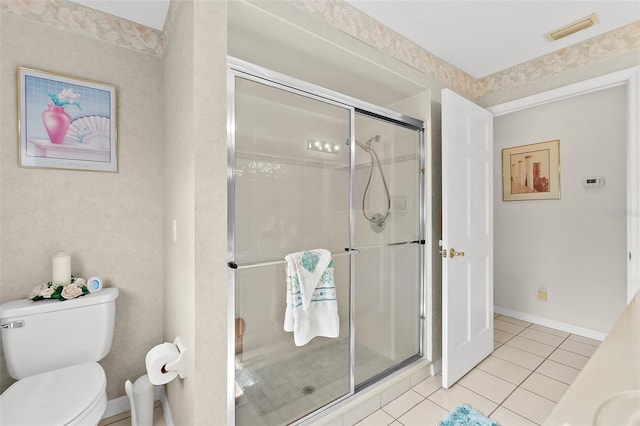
x=55 y=397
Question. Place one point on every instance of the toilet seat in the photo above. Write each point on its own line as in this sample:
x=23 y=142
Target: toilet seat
x=65 y=396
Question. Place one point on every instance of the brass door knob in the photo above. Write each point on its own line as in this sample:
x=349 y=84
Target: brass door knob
x=454 y=253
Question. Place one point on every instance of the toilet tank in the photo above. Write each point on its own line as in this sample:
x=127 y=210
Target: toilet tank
x=56 y=334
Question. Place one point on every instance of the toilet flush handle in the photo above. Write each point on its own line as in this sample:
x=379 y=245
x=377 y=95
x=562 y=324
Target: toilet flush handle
x=13 y=324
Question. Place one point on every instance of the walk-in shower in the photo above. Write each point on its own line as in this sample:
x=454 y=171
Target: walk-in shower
x=294 y=186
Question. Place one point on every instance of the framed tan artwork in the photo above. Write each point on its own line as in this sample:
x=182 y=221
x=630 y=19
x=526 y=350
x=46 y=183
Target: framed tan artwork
x=531 y=172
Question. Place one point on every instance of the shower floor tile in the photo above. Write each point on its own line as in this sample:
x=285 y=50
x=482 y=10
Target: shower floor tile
x=280 y=389
x=290 y=387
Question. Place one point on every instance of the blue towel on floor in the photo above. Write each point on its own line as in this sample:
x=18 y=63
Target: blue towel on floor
x=463 y=415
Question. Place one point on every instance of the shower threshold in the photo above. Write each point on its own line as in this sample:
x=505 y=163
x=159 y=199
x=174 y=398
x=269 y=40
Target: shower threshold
x=378 y=377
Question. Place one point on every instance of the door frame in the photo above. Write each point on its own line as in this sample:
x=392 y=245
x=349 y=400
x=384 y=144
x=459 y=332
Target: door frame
x=631 y=79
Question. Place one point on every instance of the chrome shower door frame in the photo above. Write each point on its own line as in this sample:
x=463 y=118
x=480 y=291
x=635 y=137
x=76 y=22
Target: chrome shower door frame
x=408 y=123
x=239 y=68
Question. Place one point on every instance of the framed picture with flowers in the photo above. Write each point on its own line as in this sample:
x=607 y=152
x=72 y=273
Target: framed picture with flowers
x=66 y=122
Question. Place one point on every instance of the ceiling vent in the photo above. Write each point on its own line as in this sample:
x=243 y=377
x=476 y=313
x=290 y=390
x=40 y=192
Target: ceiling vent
x=572 y=28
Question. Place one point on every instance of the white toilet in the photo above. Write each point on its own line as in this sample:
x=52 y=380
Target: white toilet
x=52 y=348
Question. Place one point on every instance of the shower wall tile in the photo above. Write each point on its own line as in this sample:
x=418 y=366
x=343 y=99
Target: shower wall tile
x=302 y=208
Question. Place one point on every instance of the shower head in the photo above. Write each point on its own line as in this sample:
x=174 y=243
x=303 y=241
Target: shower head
x=375 y=138
x=367 y=144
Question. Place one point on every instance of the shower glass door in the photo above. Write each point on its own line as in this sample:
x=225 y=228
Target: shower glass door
x=290 y=193
x=310 y=169
x=388 y=236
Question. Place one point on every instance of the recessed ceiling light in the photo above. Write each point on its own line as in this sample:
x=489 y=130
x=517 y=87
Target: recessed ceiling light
x=572 y=28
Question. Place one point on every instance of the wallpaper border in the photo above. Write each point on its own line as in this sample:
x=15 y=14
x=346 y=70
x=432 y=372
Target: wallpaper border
x=69 y=16
x=78 y=19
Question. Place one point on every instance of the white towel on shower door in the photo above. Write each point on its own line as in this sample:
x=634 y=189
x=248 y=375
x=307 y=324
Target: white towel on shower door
x=312 y=307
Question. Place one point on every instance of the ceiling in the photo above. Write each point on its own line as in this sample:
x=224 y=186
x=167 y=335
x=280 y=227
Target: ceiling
x=480 y=37
x=483 y=37
x=150 y=13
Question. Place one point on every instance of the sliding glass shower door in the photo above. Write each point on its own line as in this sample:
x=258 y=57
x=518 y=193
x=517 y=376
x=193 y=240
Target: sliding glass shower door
x=291 y=189
x=311 y=173
x=388 y=238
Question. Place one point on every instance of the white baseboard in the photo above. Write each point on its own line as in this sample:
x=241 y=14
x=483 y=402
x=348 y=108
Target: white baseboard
x=116 y=406
x=121 y=405
x=568 y=328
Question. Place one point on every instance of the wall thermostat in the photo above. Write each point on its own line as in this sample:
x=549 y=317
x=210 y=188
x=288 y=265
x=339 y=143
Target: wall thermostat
x=593 y=182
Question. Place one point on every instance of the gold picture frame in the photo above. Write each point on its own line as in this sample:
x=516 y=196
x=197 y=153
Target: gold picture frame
x=531 y=172
x=65 y=122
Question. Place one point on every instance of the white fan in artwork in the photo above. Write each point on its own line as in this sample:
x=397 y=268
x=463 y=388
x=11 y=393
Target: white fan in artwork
x=94 y=130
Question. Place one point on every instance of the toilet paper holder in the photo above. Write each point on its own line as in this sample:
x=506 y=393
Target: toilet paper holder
x=179 y=364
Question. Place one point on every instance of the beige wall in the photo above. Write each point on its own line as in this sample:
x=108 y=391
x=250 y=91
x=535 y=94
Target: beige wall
x=574 y=247
x=179 y=205
x=210 y=138
x=110 y=223
x=195 y=196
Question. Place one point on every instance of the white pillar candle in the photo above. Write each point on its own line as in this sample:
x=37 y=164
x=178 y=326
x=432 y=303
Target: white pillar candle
x=61 y=265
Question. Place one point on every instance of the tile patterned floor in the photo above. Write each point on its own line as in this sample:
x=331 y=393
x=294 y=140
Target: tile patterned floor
x=517 y=385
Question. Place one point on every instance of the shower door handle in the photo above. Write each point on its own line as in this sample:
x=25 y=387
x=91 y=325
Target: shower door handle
x=454 y=253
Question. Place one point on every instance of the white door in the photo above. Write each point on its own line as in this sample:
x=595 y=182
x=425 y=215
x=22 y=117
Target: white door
x=467 y=236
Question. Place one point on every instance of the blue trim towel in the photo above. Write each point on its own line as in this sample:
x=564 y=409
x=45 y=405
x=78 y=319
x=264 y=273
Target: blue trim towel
x=463 y=415
x=312 y=308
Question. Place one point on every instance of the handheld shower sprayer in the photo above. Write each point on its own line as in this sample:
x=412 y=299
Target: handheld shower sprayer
x=377 y=220
x=375 y=138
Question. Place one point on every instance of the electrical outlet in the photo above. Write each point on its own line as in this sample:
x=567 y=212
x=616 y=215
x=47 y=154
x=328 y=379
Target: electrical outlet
x=542 y=295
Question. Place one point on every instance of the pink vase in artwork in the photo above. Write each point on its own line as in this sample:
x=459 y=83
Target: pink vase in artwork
x=56 y=121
